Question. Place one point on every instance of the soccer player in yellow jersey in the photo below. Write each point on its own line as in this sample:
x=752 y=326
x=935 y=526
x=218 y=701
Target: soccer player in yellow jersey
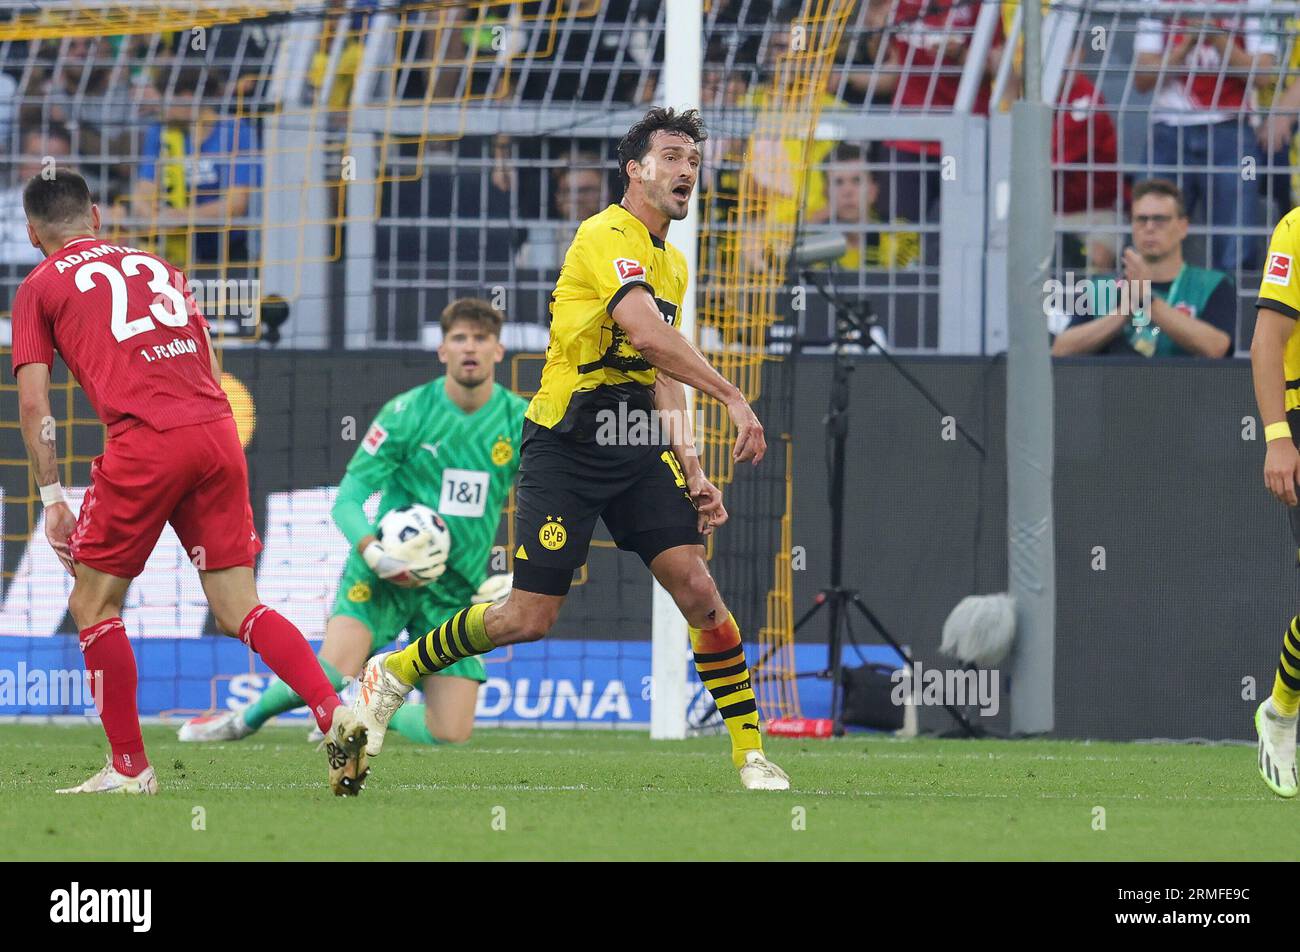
x=607 y=437
x=1275 y=363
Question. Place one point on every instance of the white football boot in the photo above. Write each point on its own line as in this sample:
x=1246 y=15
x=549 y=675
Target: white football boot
x=109 y=780
x=379 y=695
x=1276 y=760
x=228 y=725
x=345 y=746
x=759 y=773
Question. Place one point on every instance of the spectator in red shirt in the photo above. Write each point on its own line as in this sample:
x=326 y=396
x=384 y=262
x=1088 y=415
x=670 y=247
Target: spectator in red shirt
x=1202 y=71
x=1083 y=132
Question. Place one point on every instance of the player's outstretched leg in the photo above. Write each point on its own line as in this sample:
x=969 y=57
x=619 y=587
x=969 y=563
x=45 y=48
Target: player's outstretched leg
x=95 y=605
x=719 y=660
x=388 y=678
x=277 y=699
x=232 y=594
x=1275 y=720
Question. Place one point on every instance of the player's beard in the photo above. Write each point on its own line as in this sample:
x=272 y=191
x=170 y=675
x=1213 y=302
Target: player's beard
x=667 y=203
x=473 y=378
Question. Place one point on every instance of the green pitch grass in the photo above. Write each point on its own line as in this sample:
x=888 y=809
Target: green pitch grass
x=606 y=795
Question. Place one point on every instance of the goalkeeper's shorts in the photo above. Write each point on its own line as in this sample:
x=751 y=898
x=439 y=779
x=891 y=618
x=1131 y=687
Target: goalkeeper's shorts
x=564 y=485
x=387 y=610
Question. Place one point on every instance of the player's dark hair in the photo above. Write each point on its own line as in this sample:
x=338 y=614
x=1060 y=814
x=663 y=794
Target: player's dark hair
x=636 y=143
x=475 y=311
x=1159 y=186
x=61 y=197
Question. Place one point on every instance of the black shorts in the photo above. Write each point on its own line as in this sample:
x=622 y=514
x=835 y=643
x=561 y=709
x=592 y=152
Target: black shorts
x=564 y=485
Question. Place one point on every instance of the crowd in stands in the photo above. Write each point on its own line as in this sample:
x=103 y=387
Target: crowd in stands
x=170 y=136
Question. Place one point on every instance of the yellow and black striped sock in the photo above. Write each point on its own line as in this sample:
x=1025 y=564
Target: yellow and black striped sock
x=720 y=661
x=459 y=637
x=1286 y=686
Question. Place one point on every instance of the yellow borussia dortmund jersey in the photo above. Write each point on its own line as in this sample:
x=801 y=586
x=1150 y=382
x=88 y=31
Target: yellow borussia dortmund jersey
x=1279 y=290
x=589 y=363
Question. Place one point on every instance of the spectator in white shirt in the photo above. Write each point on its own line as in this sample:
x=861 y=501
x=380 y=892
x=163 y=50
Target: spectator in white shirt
x=38 y=149
x=1202 y=71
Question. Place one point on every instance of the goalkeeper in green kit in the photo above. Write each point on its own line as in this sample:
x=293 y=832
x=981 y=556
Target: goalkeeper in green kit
x=453 y=445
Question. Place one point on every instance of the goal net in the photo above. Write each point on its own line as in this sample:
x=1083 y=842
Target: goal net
x=331 y=175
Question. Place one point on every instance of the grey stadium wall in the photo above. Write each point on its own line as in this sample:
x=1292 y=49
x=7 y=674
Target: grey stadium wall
x=1176 y=570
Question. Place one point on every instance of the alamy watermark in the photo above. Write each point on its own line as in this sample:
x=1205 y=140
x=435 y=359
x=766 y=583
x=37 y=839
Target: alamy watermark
x=935 y=687
x=638 y=427
x=1079 y=296
x=238 y=298
x=24 y=688
x=78 y=904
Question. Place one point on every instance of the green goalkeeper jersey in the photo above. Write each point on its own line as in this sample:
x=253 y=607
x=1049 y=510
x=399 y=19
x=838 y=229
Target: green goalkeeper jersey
x=422 y=448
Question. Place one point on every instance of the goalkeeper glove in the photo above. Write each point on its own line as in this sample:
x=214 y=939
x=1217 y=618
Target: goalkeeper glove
x=495 y=588
x=385 y=566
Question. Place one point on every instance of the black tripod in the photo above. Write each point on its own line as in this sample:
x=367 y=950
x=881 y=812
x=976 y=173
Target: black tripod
x=853 y=323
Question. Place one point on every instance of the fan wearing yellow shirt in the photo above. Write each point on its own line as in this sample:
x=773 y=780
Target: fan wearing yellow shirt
x=853 y=192
x=608 y=437
x=1275 y=365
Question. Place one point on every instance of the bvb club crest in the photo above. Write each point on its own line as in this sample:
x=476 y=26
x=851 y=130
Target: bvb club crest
x=552 y=535
x=360 y=592
x=502 y=451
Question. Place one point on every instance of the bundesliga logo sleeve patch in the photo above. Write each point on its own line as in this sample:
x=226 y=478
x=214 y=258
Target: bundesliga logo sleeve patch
x=628 y=269
x=1279 y=269
x=374 y=439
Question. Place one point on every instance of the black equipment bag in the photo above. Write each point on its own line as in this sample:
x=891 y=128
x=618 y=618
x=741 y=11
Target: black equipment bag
x=869 y=695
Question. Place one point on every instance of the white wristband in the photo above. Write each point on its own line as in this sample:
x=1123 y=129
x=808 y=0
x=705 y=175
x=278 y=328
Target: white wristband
x=52 y=494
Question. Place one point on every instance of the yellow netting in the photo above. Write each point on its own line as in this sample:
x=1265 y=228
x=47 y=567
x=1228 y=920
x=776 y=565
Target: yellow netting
x=746 y=239
x=468 y=57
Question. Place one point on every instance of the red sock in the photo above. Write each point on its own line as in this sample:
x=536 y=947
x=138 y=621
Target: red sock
x=287 y=653
x=107 y=654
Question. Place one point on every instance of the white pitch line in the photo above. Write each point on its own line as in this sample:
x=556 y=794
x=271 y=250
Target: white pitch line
x=697 y=791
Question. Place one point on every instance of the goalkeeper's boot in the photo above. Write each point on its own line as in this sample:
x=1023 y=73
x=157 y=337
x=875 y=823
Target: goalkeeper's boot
x=379 y=696
x=109 y=780
x=345 y=745
x=229 y=725
x=1276 y=750
x=759 y=773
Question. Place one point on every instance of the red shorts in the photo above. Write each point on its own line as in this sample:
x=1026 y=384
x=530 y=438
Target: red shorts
x=194 y=477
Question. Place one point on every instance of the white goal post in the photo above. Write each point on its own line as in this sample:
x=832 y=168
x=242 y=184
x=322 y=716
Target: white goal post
x=683 y=53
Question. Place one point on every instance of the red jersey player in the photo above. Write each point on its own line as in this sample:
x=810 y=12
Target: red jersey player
x=135 y=341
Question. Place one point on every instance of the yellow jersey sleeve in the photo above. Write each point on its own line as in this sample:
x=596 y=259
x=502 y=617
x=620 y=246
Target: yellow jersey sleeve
x=610 y=262
x=1279 y=289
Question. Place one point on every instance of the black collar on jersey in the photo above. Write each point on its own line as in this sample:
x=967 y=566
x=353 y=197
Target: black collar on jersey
x=654 y=239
